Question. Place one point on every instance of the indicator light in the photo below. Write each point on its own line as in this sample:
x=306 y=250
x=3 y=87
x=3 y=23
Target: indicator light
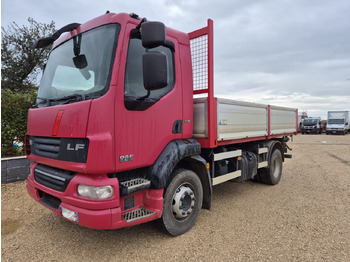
x=57 y=123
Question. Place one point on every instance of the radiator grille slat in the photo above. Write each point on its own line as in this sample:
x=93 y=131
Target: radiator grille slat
x=46 y=147
x=54 y=178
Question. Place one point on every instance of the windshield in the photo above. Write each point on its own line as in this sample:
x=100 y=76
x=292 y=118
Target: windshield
x=310 y=121
x=336 y=121
x=80 y=68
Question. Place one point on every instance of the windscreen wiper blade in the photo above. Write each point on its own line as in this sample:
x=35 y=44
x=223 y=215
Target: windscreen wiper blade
x=67 y=99
x=44 y=100
x=75 y=97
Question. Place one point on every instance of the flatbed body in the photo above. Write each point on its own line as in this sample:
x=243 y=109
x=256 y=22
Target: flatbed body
x=239 y=122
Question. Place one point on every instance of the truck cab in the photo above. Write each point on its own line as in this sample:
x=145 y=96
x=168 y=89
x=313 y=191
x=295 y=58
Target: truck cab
x=94 y=119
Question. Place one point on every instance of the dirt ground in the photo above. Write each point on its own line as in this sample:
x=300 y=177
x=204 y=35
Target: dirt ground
x=306 y=217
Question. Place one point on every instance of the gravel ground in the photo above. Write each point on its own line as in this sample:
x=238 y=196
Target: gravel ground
x=306 y=217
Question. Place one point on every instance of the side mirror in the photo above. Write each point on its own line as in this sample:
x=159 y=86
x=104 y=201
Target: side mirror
x=155 y=70
x=153 y=34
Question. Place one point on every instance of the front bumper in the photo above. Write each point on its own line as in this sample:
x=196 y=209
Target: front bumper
x=97 y=213
x=310 y=130
x=335 y=131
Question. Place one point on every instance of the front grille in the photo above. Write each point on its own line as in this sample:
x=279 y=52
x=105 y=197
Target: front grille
x=64 y=149
x=54 y=178
x=46 y=147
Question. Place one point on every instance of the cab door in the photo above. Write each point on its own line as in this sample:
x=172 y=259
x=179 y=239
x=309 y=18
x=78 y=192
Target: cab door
x=145 y=125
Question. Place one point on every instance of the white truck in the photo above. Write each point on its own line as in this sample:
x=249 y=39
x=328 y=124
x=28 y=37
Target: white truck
x=338 y=122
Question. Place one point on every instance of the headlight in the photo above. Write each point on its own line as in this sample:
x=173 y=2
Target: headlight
x=95 y=192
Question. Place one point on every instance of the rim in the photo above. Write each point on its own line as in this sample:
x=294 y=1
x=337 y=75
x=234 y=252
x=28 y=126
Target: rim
x=183 y=202
x=276 y=167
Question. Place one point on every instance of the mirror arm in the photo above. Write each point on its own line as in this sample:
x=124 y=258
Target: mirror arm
x=142 y=21
x=136 y=32
x=148 y=91
x=170 y=44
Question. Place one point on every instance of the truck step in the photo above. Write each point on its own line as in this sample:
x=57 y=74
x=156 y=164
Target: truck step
x=131 y=186
x=137 y=214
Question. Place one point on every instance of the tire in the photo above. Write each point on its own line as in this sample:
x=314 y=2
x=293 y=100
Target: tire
x=272 y=174
x=183 y=199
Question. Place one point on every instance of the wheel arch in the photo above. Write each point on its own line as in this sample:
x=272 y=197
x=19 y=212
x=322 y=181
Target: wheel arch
x=273 y=145
x=197 y=164
x=159 y=173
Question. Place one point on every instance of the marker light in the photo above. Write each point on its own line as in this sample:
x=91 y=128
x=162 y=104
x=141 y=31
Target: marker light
x=95 y=192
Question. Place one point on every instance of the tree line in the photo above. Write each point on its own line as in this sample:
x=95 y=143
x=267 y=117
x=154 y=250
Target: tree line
x=21 y=66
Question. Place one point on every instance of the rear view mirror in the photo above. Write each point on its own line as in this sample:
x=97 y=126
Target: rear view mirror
x=153 y=34
x=80 y=61
x=155 y=70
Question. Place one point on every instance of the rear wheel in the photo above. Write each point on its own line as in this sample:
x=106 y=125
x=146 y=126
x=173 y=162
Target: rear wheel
x=182 y=202
x=272 y=174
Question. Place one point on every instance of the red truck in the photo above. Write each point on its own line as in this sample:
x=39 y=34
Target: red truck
x=126 y=128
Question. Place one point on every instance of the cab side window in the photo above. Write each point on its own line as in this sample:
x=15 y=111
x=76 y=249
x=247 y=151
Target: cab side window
x=134 y=91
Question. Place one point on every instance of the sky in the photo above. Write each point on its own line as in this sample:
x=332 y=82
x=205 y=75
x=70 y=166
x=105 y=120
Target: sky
x=293 y=53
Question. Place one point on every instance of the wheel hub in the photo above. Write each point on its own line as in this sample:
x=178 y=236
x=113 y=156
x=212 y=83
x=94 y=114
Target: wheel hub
x=183 y=202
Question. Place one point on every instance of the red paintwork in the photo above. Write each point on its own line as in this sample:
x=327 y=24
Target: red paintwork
x=211 y=141
x=297 y=124
x=99 y=214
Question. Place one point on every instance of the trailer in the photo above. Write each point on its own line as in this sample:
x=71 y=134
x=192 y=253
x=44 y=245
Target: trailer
x=126 y=128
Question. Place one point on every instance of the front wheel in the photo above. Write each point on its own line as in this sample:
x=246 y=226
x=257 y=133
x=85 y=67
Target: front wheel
x=272 y=174
x=183 y=199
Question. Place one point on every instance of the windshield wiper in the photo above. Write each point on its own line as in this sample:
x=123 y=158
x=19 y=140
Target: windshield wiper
x=67 y=99
x=71 y=98
x=44 y=100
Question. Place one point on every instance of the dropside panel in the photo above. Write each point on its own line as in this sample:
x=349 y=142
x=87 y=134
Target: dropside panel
x=239 y=122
